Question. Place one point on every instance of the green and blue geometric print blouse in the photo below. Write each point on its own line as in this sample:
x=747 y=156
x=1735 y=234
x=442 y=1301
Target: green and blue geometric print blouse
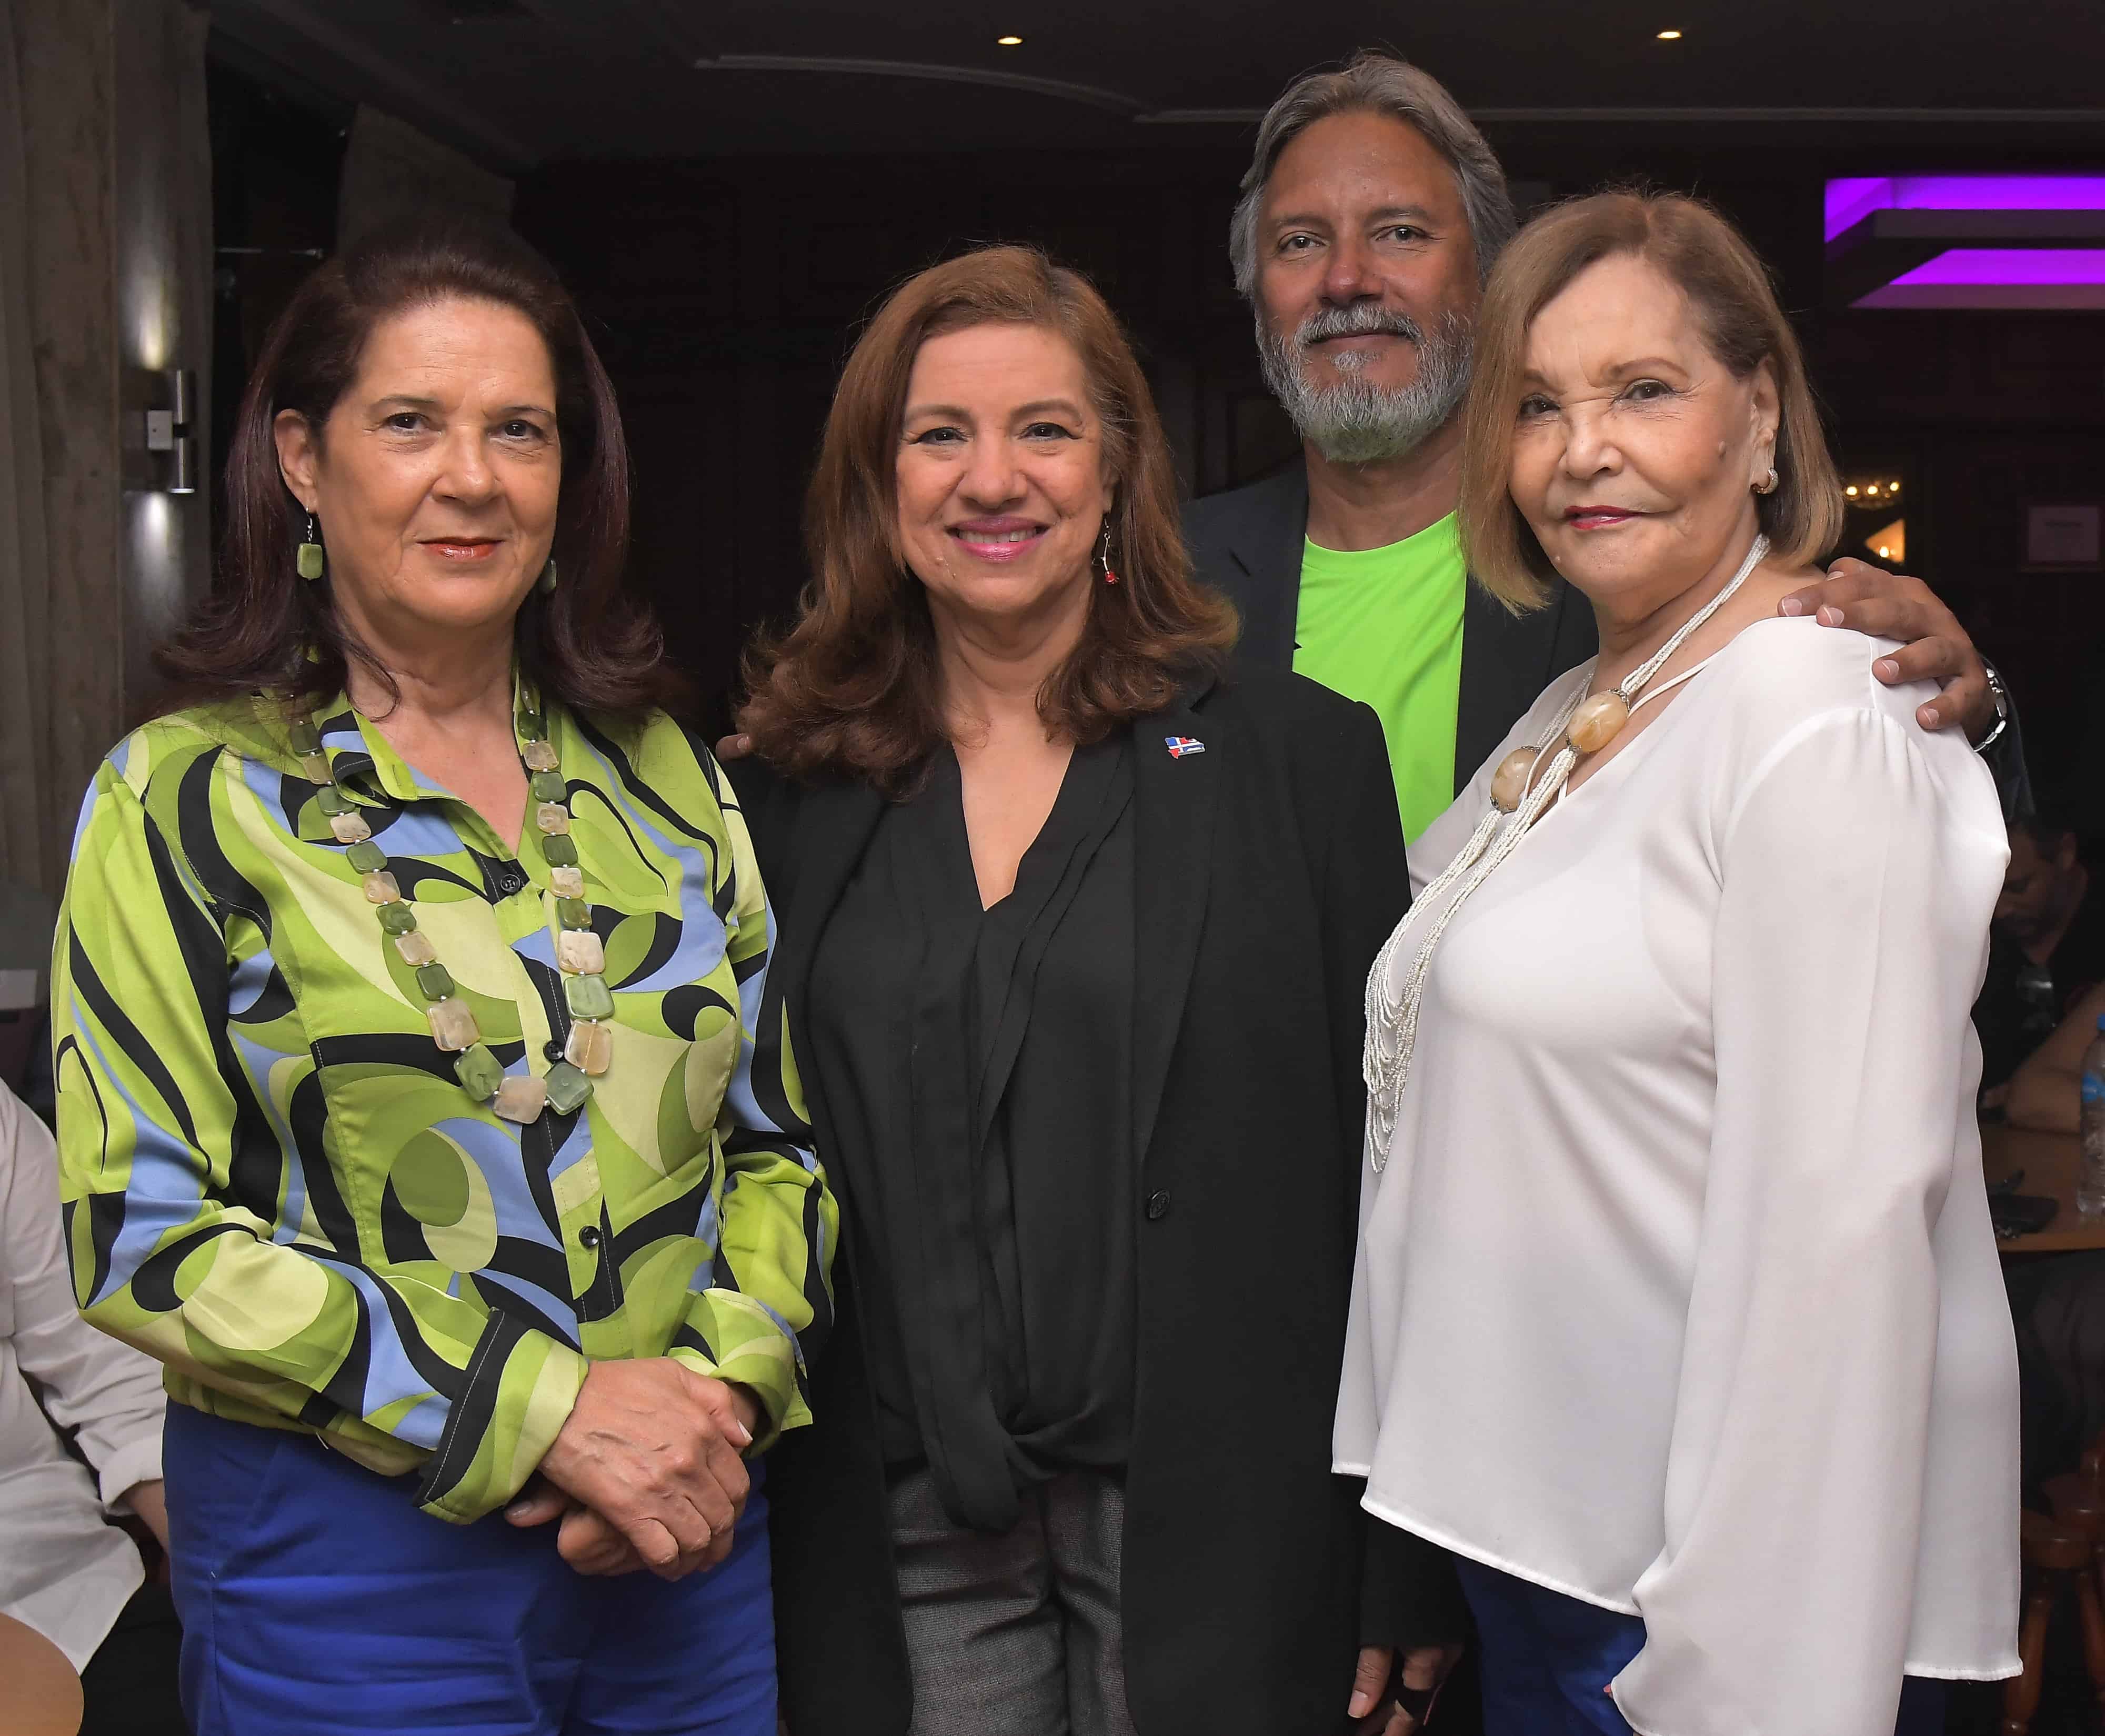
x=274 y=1183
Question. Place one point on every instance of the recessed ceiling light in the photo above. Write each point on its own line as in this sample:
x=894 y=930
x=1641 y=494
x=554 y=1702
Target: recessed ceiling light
x=1669 y=36
x=1008 y=42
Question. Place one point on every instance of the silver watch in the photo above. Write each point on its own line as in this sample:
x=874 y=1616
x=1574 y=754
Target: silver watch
x=2001 y=695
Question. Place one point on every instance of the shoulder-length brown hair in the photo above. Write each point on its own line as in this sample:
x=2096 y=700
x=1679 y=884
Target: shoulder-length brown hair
x=592 y=645
x=1735 y=306
x=852 y=687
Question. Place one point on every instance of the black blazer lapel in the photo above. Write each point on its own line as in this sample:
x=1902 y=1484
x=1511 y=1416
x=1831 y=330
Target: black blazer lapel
x=806 y=872
x=1175 y=796
x=1270 y=551
x=1247 y=545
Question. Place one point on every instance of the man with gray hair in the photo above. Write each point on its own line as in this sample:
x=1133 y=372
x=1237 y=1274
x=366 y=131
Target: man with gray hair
x=1372 y=213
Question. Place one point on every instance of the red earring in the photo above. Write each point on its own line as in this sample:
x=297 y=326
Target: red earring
x=1104 y=555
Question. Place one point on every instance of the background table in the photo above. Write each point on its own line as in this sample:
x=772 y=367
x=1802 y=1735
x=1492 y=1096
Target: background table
x=2048 y=1162
x=43 y=1694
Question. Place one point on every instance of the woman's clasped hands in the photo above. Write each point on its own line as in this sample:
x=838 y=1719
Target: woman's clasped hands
x=647 y=1472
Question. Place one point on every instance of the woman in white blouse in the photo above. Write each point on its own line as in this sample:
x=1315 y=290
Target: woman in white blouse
x=1677 y=1317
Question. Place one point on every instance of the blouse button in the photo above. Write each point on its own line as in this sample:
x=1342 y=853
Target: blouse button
x=509 y=883
x=553 y=1049
x=1158 y=1206
x=589 y=1236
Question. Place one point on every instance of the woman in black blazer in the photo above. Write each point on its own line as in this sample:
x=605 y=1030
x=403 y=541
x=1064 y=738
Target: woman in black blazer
x=1075 y=931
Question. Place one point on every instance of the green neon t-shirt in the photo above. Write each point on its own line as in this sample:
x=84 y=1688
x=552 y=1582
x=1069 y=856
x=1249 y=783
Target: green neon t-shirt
x=1384 y=625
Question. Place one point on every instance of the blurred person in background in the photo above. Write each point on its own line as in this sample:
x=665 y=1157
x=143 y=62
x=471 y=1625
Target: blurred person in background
x=2048 y=949
x=2044 y=1095
x=2059 y=1303
x=65 y=1570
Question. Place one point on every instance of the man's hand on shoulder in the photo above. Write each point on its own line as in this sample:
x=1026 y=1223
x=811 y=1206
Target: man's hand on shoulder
x=1934 y=646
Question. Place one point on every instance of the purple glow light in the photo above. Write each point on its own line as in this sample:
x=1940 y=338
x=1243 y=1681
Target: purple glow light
x=2011 y=265
x=2037 y=278
x=1849 y=202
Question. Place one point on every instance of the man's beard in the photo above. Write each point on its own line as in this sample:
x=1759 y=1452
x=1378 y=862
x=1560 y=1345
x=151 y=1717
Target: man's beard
x=1350 y=420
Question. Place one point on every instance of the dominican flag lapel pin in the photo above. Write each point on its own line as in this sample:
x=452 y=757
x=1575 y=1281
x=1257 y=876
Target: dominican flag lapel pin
x=1181 y=745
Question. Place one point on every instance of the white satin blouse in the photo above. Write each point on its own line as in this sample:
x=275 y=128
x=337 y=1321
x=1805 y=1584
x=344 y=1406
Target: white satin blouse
x=1678 y=1293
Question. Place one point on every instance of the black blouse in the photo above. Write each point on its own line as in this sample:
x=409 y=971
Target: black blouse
x=978 y=1062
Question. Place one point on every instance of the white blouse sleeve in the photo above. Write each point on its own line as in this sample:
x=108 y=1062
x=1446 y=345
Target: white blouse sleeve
x=108 y=1392
x=1858 y=873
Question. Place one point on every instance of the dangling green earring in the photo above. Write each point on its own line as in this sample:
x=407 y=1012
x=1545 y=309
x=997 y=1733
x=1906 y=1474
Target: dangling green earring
x=311 y=563
x=546 y=584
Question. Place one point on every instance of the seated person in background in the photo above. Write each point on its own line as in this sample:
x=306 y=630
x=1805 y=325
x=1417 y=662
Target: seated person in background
x=63 y=1570
x=2058 y=1304
x=2043 y=1093
x=2049 y=941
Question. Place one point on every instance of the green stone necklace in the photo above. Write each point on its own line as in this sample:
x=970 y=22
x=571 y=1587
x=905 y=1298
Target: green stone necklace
x=578 y=951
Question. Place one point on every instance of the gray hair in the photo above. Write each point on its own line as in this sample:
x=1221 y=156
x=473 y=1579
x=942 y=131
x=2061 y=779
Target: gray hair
x=1378 y=83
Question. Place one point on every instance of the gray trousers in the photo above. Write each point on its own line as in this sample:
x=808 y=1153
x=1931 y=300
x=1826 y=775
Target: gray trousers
x=1015 y=1635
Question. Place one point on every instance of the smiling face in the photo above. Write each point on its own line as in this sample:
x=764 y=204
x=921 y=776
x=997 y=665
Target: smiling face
x=1366 y=284
x=437 y=475
x=1002 y=486
x=1635 y=450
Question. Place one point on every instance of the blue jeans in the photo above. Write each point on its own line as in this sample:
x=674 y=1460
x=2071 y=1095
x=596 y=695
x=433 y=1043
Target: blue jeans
x=317 y=1600
x=1547 y=1660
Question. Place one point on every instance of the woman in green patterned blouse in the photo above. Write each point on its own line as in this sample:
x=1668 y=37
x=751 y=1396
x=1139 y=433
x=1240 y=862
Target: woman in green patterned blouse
x=414 y=1105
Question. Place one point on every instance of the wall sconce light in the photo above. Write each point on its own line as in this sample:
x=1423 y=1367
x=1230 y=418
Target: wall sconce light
x=169 y=434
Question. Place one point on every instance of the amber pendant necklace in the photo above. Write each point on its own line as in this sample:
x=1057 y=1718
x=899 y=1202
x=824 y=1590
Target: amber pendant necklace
x=1585 y=726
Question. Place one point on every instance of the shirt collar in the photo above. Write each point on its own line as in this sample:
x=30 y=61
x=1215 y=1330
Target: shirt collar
x=364 y=762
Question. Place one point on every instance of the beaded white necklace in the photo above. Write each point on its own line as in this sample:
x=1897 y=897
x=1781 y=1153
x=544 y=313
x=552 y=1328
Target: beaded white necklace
x=578 y=952
x=1585 y=726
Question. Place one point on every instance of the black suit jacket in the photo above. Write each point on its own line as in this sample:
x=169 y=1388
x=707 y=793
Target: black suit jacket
x=1247 y=544
x=1269 y=870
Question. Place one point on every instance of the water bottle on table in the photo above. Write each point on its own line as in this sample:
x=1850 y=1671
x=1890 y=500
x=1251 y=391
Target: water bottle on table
x=2090 y=1177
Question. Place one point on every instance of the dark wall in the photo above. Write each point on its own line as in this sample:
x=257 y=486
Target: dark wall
x=1992 y=413
x=276 y=158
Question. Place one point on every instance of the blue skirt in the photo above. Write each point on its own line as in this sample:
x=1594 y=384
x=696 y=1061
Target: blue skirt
x=317 y=1600
x=1547 y=1660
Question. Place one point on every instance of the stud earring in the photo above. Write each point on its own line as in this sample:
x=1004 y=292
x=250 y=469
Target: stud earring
x=547 y=582
x=311 y=562
x=1104 y=555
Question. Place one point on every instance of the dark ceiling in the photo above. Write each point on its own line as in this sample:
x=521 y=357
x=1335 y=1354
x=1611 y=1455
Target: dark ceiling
x=520 y=83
